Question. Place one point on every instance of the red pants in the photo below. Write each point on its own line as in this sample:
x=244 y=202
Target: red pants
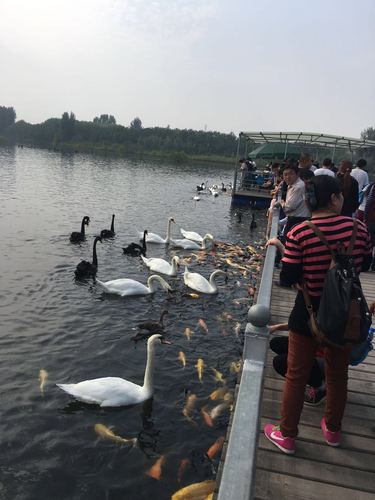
x=301 y=354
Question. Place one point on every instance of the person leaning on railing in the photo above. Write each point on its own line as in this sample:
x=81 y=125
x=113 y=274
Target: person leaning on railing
x=306 y=260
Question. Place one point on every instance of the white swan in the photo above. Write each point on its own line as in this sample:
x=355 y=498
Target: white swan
x=200 y=284
x=115 y=391
x=155 y=238
x=162 y=266
x=207 y=242
x=126 y=286
x=191 y=235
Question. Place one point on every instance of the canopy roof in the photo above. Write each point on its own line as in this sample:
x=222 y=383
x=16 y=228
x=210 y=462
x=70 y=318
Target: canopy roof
x=308 y=138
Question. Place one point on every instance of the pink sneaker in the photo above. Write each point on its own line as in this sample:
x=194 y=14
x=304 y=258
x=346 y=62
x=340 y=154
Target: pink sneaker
x=273 y=433
x=331 y=438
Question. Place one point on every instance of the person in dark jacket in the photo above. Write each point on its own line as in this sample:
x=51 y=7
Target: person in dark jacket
x=349 y=187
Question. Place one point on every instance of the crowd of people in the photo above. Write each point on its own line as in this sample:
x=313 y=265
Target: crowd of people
x=339 y=202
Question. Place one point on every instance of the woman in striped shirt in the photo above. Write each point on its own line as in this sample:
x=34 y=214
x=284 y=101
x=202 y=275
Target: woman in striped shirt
x=306 y=260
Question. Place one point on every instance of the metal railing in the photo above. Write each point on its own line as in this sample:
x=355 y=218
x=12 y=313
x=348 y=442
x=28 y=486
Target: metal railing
x=238 y=475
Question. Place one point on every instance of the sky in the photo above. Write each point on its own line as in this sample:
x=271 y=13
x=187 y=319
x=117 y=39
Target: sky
x=225 y=65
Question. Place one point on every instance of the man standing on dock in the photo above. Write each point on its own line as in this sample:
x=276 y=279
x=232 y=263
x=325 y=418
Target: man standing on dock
x=294 y=206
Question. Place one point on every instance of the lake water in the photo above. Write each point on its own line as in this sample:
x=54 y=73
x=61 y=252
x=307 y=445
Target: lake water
x=49 y=321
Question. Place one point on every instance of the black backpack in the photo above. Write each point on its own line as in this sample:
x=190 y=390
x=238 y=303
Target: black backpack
x=343 y=317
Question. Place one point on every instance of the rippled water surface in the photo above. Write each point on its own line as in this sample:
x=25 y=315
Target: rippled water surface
x=75 y=332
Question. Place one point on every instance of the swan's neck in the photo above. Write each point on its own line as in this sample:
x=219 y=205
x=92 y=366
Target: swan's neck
x=94 y=256
x=212 y=279
x=113 y=224
x=148 y=381
x=83 y=226
x=153 y=283
x=144 y=242
x=205 y=244
x=168 y=237
x=174 y=265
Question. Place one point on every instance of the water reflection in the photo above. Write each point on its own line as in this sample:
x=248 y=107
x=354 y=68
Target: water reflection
x=75 y=332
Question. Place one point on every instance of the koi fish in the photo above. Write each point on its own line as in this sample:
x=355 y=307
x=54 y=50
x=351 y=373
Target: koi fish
x=218 y=393
x=195 y=491
x=237 y=328
x=199 y=366
x=188 y=333
x=106 y=433
x=251 y=290
x=189 y=406
x=214 y=449
x=182 y=358
x=43 y=375
x=218 y=376
x=207 y=417
x=203 y=325
x=182 y=468
x=155 y=470
x=217 y=410
x=193 y=295
x=235 y=366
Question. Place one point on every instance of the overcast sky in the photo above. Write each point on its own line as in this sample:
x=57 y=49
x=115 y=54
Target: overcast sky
x=227 y=65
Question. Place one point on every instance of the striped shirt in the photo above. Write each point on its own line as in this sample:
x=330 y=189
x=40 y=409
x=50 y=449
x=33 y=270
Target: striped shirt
x=307 y=258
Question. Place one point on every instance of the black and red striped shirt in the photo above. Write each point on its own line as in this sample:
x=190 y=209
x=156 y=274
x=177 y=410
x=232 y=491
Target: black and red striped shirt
x=307 y=258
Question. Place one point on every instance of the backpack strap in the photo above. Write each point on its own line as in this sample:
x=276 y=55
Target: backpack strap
x=324 y=240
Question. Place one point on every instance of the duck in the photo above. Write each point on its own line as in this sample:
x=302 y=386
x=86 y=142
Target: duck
x=191 y=235
x=153 y=326
x=162 y=266
x=223 y=188
x=134 y=249
x=199 y=283
x=155 y=238
x=109 y=233
x=207 y=242
x=116 y=391
x=253 y=223
x=202 y=187
x=213 y=190
x=78 y=236
x=126 y=286
x=85 y=268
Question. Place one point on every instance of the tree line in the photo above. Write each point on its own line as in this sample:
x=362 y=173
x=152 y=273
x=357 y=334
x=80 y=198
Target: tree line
x=104 y=133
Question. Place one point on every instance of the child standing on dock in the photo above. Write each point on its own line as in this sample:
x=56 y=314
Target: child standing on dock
x=307 y=260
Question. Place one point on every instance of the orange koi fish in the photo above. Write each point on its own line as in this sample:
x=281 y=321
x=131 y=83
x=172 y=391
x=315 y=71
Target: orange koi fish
x=182 y=468
x=200 y=366
x=182 y=358
x=188 y=333
x=106 y=433
x=203 y=325
x=195 y=491
x=207 y=417
x=218 y=393
x=214 y=449
x=155 y=470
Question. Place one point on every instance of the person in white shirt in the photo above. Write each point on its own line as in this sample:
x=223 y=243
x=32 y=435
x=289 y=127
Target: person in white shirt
x=360 y=175
x=326 y=168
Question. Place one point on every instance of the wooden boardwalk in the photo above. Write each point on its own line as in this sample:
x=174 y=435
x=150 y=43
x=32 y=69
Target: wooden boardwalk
x=318 y=471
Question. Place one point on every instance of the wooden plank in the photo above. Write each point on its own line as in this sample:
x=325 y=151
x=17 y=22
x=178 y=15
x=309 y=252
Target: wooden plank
x=360 y=411
x=321 y=452
x=311 y=470
x=349 y=441
x=271 y=485
x=312 y=416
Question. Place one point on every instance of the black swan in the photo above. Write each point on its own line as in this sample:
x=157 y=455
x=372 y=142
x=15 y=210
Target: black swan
x=109 y=233
x=76 y=236
x=86 y=269
x=202 y=187
x=223 y=188
x=253 y=224
x=134 y=249
x=152 y=327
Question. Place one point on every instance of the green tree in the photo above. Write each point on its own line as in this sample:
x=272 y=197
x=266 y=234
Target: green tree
x=67 y=126
x=136 y=123
x=7 y=117
x=368 y=134
x=105 y=120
